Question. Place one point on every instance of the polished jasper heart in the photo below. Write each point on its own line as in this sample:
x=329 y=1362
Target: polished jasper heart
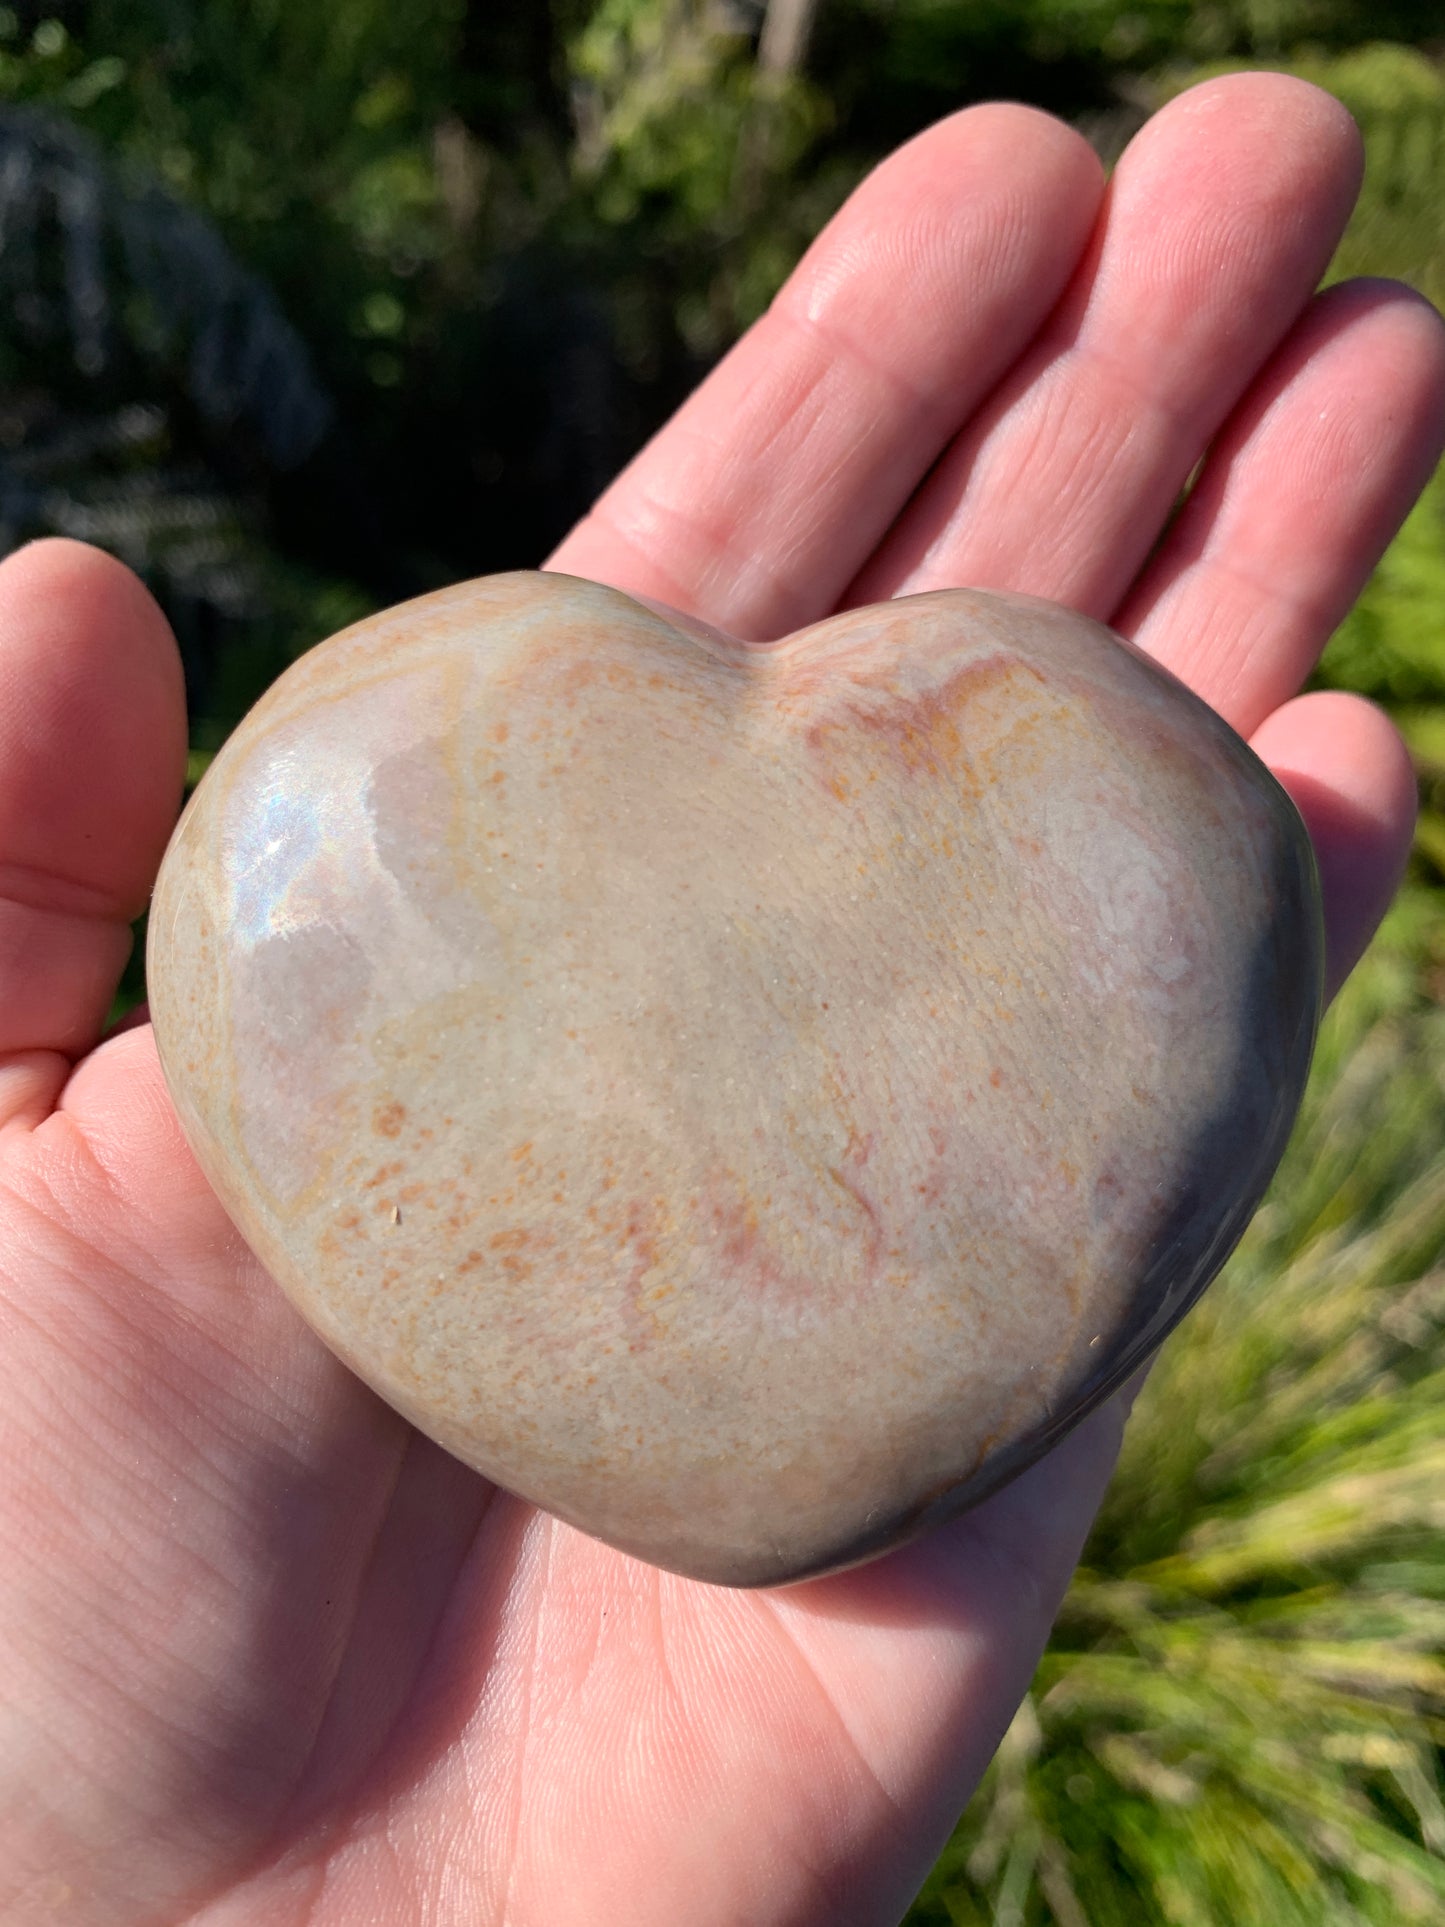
x=750 y=1101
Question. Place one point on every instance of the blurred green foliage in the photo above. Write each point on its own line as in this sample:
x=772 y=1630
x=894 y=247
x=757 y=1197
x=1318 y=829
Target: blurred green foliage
x=308 y=305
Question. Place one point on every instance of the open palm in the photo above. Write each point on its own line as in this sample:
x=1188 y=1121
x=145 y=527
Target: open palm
x=266 y=1655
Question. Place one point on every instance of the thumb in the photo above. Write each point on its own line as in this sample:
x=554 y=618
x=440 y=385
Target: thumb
x=92 y=765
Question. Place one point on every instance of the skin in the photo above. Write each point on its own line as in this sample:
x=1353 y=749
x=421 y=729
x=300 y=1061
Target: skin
x=265 y=1655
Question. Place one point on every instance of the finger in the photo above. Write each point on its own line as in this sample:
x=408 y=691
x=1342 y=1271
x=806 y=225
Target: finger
x=756 y=504
x=1221 y=218
x=92 y=761
x=1297 y=501
x=1349 y=773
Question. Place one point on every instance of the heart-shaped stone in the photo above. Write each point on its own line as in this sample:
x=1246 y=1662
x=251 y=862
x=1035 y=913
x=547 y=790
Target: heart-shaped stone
x=751 y=1101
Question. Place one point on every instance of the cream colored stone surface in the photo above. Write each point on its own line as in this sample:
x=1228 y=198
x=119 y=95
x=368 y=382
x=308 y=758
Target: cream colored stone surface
x=747 y=1100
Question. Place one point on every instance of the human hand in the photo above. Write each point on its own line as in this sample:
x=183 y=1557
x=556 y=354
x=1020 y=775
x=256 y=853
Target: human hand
x=268 y=1656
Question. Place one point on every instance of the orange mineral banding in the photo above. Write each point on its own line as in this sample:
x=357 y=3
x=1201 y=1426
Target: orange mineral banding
x=751 y=1101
